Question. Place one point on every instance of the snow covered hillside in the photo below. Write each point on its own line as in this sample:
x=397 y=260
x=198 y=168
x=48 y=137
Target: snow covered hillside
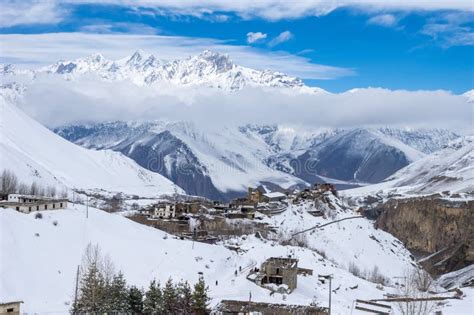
x=450 y=169
x=144 y=253
x=34 y=153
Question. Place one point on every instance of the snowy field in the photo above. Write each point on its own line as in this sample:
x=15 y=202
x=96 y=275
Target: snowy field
x=39 y=261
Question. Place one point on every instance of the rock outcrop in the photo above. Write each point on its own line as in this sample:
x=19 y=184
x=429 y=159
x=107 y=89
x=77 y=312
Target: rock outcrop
x=441 y=229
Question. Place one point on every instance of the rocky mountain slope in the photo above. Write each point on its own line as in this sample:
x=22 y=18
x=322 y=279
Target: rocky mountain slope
x=448 y=170
x=208 y=163
x=439 y=228
x=429 y=206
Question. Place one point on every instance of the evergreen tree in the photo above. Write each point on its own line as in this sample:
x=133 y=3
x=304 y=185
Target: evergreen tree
x=200 y=297
x=169 y=297
x=185 y=298
x=153 y=303
x=118 y=294
x=135 y=300
x=92 y=291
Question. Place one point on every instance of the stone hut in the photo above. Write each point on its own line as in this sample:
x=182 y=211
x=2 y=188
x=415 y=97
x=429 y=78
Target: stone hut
x=10 y=308
x=280 y=271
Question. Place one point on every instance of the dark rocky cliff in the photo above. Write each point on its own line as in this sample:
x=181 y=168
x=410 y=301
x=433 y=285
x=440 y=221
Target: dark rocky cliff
x=432 y=225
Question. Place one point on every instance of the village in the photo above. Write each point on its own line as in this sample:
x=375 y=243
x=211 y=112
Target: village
x=201 y=220
x=210 y=221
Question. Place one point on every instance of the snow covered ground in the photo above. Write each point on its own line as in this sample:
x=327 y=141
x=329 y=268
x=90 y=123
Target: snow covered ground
x=39 y=259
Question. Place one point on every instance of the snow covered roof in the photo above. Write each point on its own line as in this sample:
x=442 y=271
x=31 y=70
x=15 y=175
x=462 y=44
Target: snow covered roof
x=274 y=194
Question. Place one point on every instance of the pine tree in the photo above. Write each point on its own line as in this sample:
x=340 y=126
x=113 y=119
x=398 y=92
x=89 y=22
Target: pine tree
x=185 y=298
x=135 y=300
x=169 y=297
x=118 y=294
x=92 y=290
x=153 y=303
x=200 y=297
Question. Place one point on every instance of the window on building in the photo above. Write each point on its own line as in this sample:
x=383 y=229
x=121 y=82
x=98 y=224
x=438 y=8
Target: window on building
x=61 y=204
x=17 y=208
x=278 y=271
x=37 y=208
x=54 y=206
x=10 y=310
x=45 y=207
x=29 y=209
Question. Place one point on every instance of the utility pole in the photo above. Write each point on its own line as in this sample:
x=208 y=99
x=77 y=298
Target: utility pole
x=330 y=281
x=87 y=207
x=328 y=277
x=77 y=286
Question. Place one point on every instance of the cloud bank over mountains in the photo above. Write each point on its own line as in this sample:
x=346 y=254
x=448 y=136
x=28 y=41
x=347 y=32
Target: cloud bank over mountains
x=55 y=101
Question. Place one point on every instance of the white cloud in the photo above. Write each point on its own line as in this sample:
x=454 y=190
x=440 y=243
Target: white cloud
x=48 y=48
x=283 y=9
x=386 y=20
x=90 y=98
x=253 y=37
x=451 y=29
x=281 y=38
x=51 y=11
x=30 y=12
x=132 y=28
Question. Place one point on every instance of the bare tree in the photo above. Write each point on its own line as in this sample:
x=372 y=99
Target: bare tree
x=23 y=189
x=51 y=191
x=9 y=182
x=416 y=289
x=34 y=189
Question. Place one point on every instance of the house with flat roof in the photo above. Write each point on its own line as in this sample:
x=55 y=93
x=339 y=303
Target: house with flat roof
x=28 y=203
x=10 y=308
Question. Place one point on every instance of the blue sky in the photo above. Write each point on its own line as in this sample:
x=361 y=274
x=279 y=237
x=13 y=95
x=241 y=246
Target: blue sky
x=337 y=48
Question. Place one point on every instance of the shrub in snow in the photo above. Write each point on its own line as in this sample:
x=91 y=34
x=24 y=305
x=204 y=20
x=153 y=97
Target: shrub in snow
x=38 y=215
x=354 y=269
x=55 y=223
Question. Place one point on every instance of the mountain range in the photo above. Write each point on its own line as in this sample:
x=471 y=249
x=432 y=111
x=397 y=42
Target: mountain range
x=222 y=164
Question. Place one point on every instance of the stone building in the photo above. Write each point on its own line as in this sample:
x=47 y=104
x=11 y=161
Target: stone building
x=255 y=195
x=10 y=308
x=164 y=211
x=27 y=204
x=279 y=271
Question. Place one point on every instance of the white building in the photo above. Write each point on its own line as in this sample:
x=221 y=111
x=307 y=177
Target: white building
x=27 y=203
x=274 y=196
x=164 y=211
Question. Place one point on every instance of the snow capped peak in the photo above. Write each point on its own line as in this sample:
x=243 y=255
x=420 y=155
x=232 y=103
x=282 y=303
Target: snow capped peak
x=137 y=58
x=7 y=69
x=208 y=69
x=469 y=95
x=95 y=58
x=222 y=62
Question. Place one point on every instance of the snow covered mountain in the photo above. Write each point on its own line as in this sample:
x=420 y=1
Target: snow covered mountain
x=34 y=153
x=218 y=165
x=469 y=95
x=448 y=170
x=209 y=163
x=208 y=69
